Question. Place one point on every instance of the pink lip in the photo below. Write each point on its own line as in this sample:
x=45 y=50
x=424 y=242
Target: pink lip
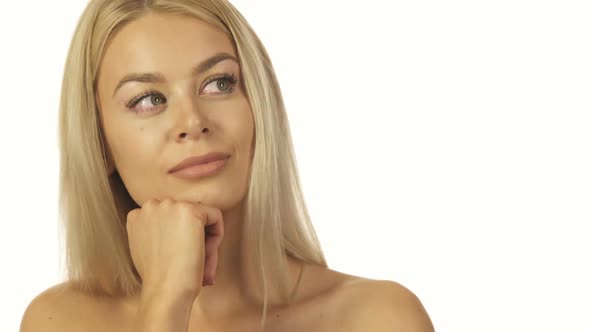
x=199 y=166
x=200 y=170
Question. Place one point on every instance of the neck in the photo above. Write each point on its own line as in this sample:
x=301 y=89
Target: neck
x=231 y=294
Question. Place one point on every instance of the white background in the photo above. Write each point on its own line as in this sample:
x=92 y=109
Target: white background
x=443 y=145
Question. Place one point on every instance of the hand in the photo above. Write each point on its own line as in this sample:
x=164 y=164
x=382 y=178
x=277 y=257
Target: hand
x=174 y=244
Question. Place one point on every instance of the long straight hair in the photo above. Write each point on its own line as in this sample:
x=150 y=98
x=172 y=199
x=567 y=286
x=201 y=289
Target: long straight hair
x=93 y=204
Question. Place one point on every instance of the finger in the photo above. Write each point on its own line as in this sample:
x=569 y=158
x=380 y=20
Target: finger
x=210 y=268
x=214 y=217
x=152 y=202
x=213 y=222
x=211 y=255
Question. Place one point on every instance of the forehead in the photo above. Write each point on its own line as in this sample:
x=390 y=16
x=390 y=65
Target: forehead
x=171 y=44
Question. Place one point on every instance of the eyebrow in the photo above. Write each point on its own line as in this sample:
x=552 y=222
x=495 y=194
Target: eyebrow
x=159 y=78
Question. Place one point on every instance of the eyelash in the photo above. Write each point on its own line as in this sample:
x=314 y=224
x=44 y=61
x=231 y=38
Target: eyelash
x=230 y=78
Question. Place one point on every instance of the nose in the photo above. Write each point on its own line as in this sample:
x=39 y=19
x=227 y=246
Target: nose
x=191 y=123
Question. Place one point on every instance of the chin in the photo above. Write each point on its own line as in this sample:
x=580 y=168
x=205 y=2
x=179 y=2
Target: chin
x=223 y=201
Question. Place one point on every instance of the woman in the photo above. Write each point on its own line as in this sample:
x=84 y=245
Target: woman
x=179 y=189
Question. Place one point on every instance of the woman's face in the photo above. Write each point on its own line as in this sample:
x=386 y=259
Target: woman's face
x=184 y=107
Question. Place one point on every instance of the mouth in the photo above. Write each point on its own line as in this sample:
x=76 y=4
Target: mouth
x=200 y=170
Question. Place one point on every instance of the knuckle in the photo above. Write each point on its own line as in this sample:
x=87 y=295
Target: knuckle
x=199 y=213
x=184 y=208
x=150 y=203
x=132 y=214
x=167 y=201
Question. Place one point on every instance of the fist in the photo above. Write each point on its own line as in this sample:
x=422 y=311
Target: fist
x=174 y=244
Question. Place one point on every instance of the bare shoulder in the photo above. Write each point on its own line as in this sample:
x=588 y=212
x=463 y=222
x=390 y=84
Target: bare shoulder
x=351 y=303
x=59 y=308
x=45 y=311
x=382 y=305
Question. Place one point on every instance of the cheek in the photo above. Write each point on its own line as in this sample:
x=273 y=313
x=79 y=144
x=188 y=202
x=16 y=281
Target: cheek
x=240 y=130
x=240 y=127
x=133 y=148
x=137 y=163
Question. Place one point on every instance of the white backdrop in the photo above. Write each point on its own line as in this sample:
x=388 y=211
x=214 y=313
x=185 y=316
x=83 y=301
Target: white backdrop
x=443 y=145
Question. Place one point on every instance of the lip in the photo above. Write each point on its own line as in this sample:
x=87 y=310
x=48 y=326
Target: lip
x=200 y=162
x=200 y=170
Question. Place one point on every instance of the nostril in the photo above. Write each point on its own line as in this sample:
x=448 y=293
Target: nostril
x=205 y=130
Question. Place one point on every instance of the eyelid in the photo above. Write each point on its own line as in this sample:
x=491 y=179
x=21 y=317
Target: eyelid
x=228 y=76
x=135 y=100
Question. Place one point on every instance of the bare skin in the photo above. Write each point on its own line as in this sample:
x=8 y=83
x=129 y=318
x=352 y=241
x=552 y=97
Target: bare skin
x=189 y=115
x=327 y=300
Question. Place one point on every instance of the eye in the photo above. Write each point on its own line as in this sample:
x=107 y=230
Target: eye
x=224 y=84
x=151 y=99
x=146 y=102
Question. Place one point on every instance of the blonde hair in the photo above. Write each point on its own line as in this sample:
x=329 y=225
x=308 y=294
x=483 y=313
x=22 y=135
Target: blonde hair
x=94 y=204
